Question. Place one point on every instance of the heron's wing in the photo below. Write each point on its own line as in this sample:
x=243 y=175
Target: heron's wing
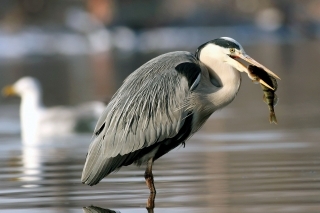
x=148 y=108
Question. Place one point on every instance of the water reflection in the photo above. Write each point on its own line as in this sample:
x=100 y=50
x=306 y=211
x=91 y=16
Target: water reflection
x=207 y=175
x=31 y=166
x=236 y=163
x=96 y=209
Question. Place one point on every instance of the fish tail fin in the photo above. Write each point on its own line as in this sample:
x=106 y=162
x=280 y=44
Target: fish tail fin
x=273 y=118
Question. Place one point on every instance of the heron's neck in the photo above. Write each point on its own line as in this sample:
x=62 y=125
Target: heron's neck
x=227 y=83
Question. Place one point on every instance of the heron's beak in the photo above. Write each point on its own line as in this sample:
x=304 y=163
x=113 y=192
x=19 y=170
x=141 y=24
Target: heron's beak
x=8 y=91
x=242 y=68
x=250 y=60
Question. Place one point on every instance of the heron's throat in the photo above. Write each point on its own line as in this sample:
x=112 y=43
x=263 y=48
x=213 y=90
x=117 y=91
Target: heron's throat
x=228 y=79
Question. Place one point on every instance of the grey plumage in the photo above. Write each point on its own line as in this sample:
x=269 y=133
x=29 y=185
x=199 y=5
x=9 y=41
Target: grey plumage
x=161 y=104
x=142 y=113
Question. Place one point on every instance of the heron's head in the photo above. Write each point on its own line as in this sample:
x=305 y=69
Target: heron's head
x=229 y=51
x=22 y=87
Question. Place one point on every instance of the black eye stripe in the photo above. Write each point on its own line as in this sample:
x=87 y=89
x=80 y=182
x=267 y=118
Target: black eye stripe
x=225 y=43
x=220 y=42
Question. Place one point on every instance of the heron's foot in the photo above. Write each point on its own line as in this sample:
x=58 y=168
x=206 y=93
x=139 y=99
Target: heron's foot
x=150 y=202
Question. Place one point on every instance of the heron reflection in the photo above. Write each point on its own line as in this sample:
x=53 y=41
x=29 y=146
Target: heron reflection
x=96 y=209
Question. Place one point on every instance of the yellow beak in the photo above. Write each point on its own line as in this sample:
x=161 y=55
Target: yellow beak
x=8 y=91
x=254 y=62
x=242 y=68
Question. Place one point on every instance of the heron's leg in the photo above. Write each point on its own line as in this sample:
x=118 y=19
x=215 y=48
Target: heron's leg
x=150 y=202
x=150 y=183
x=149 y=176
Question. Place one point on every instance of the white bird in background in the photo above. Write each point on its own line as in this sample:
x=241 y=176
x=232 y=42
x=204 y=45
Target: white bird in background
x=38 y=122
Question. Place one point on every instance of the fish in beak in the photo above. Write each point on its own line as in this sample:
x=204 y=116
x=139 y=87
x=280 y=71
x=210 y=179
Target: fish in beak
x=260 y=74
x=242 y=68
x=269 y=96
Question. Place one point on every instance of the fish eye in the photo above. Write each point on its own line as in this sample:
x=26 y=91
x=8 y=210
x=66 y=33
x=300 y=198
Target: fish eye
x=232 y=50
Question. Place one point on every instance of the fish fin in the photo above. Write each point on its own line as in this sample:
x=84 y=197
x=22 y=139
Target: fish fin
x=273 y=118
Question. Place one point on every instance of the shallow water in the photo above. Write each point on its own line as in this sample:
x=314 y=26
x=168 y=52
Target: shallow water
x=237 y=162
x=267 y=171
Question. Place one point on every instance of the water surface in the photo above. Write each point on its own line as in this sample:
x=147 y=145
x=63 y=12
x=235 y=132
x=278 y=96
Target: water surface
x=237 y=162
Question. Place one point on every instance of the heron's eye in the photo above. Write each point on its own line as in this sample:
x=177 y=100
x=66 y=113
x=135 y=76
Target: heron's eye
x=232 y=50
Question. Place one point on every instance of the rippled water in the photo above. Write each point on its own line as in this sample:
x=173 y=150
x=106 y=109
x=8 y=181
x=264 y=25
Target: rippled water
x=237 y=162
x=262 y=171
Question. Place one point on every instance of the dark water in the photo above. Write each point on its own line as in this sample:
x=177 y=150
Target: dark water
x=237 y=162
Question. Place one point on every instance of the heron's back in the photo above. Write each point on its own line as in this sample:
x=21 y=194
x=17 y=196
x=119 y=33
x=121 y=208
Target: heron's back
x=145 y=118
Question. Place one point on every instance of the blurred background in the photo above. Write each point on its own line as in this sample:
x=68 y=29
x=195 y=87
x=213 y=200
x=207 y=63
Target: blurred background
x=97 y=43
x=82 y=50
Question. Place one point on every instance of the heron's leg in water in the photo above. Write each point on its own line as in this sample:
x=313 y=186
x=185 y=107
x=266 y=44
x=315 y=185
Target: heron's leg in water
x=149 y=176
x=150 y=202
x=150 y=183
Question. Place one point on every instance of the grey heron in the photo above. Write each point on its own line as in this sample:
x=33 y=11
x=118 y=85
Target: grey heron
x=161 y=104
